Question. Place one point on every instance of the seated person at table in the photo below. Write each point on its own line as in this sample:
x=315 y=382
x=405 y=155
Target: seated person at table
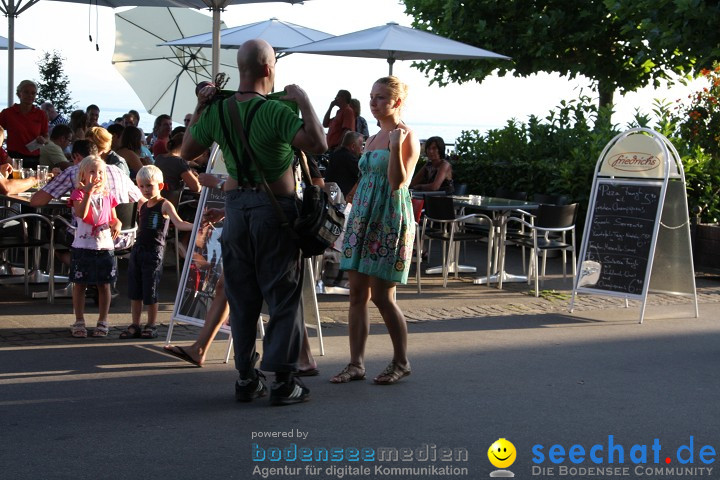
x=130 y=148
x=161 y=130
x=92 y=113
x=54 y=117
x=343 y=166
x=103 y=141
x=52 y=153
x=116 y=130
x=436 y=174
x=9 y=186
x=78 y=120
x=4 y=157
x=146 y=259
x=175 y=170
x=134 y=120
x=120 y=184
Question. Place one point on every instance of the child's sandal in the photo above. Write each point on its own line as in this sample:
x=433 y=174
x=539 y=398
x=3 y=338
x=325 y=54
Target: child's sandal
x=78 y=330
x=150 y=331
x=101 y=329
x=133 y=331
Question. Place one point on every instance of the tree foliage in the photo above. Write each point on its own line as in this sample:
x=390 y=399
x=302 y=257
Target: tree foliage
x=618 y=44
x=54 y=84
x=558 y=154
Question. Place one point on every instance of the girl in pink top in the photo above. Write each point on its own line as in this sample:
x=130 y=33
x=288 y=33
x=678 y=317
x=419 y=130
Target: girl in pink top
x=92 y=250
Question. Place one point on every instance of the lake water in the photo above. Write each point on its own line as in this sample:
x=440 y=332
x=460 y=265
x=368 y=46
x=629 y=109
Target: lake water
x=448 y=132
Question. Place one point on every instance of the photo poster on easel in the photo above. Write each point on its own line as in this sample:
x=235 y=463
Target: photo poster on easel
x=637 y=231
x=203 y=263
x=203 y=266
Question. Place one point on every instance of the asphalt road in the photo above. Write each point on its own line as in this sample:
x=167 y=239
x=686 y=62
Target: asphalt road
x=104 y=408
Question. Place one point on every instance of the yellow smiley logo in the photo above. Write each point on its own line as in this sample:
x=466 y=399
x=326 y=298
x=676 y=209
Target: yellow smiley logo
x=502 y=453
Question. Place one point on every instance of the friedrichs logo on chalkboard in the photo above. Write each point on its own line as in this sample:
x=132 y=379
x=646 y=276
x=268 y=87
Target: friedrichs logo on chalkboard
x=634 y=161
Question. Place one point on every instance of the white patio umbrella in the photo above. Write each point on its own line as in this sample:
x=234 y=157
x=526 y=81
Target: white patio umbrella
x=163 y=77
x=277 y=33
x=395 y=42
x=18 y=46
x=11 y=9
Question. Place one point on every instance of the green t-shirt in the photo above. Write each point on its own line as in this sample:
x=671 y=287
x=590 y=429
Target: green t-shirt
x=271 y=131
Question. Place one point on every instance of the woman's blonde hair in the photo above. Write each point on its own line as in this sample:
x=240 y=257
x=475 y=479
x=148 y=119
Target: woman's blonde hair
x=84 y=167
x=100 y=137
x=398 y=89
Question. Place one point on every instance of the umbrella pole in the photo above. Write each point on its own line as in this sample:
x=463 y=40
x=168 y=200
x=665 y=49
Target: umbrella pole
x=11 y=50
x=391 y=61
x=216 y=42
x=172 y=105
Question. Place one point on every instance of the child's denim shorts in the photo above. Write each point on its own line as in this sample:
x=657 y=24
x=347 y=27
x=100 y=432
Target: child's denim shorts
x=92 y=266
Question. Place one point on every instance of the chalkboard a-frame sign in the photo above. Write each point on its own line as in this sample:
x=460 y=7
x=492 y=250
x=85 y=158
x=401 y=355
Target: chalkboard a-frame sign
x=637 y=231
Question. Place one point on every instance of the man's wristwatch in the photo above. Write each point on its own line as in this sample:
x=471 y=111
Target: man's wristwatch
x=220 y=183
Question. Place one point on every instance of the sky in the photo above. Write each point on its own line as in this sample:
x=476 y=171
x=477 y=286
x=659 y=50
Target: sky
x=52 y=25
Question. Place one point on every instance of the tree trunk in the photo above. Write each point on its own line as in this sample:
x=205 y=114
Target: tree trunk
x=606 y=91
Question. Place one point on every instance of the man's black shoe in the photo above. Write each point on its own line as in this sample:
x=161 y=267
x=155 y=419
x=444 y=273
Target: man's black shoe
x=246 y=390
x=288 y=393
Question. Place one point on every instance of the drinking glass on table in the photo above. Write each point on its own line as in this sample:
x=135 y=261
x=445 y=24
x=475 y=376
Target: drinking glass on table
x=28 y=173
x=17 y=165
x=42 y=175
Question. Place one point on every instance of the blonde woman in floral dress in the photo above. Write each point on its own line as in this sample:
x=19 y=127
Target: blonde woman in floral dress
x=378 y=241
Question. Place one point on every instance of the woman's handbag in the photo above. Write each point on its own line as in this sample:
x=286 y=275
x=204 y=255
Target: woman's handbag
x=319 y=223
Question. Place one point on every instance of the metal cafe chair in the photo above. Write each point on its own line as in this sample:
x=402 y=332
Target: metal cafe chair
x=28 y=231
x=441 y=211
x=514 y=231
x=127 y=214
x=417 y=204
x=547 y=230
x=550 y=199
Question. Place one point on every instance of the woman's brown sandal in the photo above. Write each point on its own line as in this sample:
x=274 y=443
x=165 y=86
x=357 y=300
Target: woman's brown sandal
x=392 y=374
x=348 y=375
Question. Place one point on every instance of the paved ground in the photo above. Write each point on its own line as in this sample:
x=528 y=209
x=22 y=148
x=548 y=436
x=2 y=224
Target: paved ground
x=486 y=364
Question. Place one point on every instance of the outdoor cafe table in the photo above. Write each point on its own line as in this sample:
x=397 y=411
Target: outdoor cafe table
x=452 y=262
x=55 y=206
x=501 y=209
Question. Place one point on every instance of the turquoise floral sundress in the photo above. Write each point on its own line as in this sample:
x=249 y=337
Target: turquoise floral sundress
x=380 y=230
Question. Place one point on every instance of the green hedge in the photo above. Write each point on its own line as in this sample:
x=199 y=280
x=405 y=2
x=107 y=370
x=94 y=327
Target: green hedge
x=558 y=154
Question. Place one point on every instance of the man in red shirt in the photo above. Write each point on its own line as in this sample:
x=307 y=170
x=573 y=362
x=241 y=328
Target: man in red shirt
x=343 y=120
x=163 y=127
x=25 y=123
